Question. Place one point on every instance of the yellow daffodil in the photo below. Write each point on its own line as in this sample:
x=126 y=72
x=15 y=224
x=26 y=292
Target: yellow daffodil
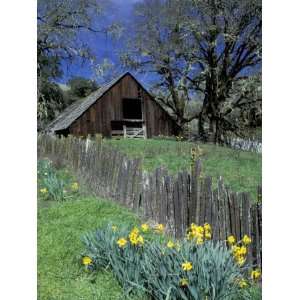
x=135 y=231
x=207 y=227
x=145 y=227
x=196 y=232
x=243 y=283
x=246 y=240
x=231 y=240
x=187 y=266
x=74 y=186
x=183 y=282
x=199 y=241
x=159 y=228
x=170 y=244
x=255 y=274
x=86 y=260
x=114 y=228
x=122 y=242
x=207 y=235
x=44 y=191
x=243 y=250
x=140 y=240
x=135 y=238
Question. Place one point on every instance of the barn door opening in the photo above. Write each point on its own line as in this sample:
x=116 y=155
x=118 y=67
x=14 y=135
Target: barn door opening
x=132 y=109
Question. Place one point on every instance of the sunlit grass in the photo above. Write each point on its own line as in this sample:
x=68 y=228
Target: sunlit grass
x=60 y=228
x=240 y=170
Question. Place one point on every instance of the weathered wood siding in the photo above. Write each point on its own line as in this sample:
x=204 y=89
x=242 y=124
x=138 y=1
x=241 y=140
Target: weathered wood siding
x=97 y=119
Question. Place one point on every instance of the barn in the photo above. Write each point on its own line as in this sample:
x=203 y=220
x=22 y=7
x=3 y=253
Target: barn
x=122 y=107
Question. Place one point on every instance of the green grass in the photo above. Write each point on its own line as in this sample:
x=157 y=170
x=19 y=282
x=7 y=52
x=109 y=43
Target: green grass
x=60 y=228
x=240 y=170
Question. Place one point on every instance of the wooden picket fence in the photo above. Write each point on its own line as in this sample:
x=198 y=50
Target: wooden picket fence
x=176 y=201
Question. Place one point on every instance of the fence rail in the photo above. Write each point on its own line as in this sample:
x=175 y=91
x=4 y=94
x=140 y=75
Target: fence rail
x=244 y=144
x=176 y=201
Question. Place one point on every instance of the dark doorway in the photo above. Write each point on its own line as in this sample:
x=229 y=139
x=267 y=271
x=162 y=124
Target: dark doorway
x=132 y=109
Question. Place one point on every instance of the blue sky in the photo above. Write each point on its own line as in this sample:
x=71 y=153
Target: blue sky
x=102 y=46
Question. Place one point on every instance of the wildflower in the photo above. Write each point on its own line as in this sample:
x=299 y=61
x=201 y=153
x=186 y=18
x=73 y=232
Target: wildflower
x=159 y=228
x=86 y=260
x=255 y=274
x=145 y=227
x=243 y=283
x=195 y=232
x=44 y=191
x=114 y=228
x=207 y=227
x=122 y=242
x=231 y=240
x=183 y=282
x=135 y=238
x=207 y=235
x=170 y=244
x=140 y=240
x=199 y=241
x=239 y=250
x=246 y=240
x=74 y=186
x=187 y=266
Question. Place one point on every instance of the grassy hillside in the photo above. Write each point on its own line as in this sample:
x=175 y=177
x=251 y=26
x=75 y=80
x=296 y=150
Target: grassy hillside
x=241 y=170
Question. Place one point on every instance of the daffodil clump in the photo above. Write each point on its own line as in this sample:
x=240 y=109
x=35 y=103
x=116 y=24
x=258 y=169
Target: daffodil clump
x=55 y=184
x=140 y=258
x=199 y=234
x=255 y=274
x=135 y=238
x=239 y=249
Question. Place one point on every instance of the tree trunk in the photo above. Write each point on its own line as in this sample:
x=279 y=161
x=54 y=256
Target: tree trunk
x=201 y=131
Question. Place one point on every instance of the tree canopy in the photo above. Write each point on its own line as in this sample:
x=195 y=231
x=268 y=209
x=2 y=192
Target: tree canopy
x=211 y=48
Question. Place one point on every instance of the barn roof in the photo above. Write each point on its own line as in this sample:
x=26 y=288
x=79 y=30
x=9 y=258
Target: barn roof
x=75 y=110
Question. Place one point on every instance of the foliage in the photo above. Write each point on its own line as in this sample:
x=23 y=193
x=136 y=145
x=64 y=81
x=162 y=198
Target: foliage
x=185 y=270
x=54 y=185
x=80 y=87
x=50 y=102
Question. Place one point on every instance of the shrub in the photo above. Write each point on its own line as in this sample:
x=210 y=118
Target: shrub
x=192 y=269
